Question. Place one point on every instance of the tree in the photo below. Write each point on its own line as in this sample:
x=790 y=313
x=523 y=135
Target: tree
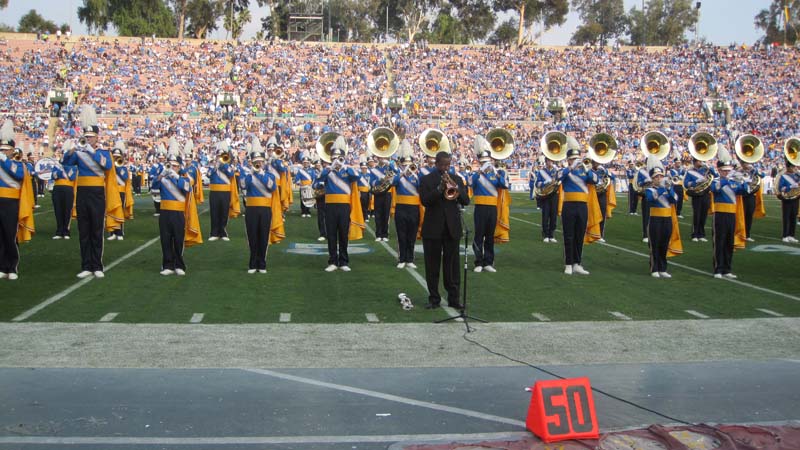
x=33 y=22
x=446 y=29
x=142 y=18
x=549 y=12
x=275 y=24
x=476 y=17
x=235 y=23
x=179 y=8
x=5 y=28
x=664 y=22
x=773 y=22
x=202 y=17
x=96 y=15
x=506 y=33
x=414 y=14
x=602 y=20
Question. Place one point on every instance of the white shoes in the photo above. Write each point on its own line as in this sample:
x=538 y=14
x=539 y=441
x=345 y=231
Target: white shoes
x=345 y=268
x=655 y=275
x=12 y=276
x=112 y=237
x=665 y=275
x=265 y=270
x=478 y=269
x=568 y=270
x=411 y=265
x=331 y=268
x=56 y=238
x=789 y=240
x=680 y=217
x=120 y=238
x=546 y=240
x=84 y=274
x=156 y=215
x=695 y=240
x=553 y=241
x=601 y=240
x=786 y=240
x=490 y=269
x=750 y=239
x=166 y=272
x=401 y=265
x=385 y=239
x=212 y=239
x=66 y=237
x=3 y=275
x=180 y=272
x=577 y=268
x=377 y=239
x=252 y=271
x=321 y=238
x=718 y=276
x=645 y=240
x=729 y=276
x=226 y=238
x=99 y=274
x=703 y=240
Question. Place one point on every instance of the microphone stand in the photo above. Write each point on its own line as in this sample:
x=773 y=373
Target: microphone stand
x=462 y=313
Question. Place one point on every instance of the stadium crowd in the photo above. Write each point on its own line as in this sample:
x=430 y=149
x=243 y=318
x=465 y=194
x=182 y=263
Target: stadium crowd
x=148 y=90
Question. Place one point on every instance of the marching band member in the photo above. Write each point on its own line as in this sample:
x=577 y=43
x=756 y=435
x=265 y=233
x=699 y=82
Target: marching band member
x=224 y=195
x=633 y=197
x=546 y=176
x=661 y=197
x=137 y=171
x=382 y=200
x=429 y=167
x=700 y=204
x=406 y=214
x=153 y=175
x=603 y=197
x=320 y=199
x=178 y=224
x=303 y=178
x=64 y=194
x=443 y=197
x=788 y=183
x=260 y=185
x=753 y=201
x=16 y=204
x=724 y=222
x=193 y=171
x=343 y=216
x=363 y=189
x=485 y=185
x=677 y=173
x=575 y=214
x=97 y=195
x=279 y=170
x=123 y=178
x=643 y=179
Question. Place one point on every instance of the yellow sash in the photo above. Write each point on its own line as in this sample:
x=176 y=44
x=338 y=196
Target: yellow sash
x=129 y=199
x=740 y=233
x=25 y=225
x=357 y=224
x=675 y=246
x=611 y=201
x=760 y=210
x=594 y=217
x=236 y=207
x=193 y=234
x=115 y=215
x=503 y=228
x=277 y=232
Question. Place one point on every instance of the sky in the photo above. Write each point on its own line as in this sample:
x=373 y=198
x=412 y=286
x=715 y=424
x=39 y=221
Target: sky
x=722 y=22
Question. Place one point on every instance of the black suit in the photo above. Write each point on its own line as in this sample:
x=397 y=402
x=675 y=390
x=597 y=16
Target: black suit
x=441 y=232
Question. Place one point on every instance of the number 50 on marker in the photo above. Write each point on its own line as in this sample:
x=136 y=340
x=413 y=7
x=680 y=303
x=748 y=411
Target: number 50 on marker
x=562 y=409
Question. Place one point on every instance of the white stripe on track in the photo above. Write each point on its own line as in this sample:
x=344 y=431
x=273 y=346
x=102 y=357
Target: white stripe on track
x=109 y=317
x=619 y=315
x=691 y=269
x=699 y=315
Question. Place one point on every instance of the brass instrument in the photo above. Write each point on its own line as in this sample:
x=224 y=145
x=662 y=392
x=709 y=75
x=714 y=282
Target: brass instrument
x=602 y=148
x=119 y=160
x=655 y=143
x=383 y=142
x=258 y=165
x=224 y=157
x=791 y=150
x=703 y=147
x=16 y=155
x=411 y=168
x=553 y=145
x=449 y=187
x=793 y=193
x=324 y=145
x=749 y=148
x=386 y=181
x=501 y=143
x=433 y=141
x=82 y=141
x=278 y=152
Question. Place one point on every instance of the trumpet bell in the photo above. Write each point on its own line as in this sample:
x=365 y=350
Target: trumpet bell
x=501 y=143
x=324 y=145
x=749 y=148
x=791 y=150
x=602 y=148
x=553 y=145
x=383 y=142
x=433 y=141
x=655 y=143
x=703 y=146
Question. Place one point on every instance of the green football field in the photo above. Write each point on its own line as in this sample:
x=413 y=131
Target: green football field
x=529 y=284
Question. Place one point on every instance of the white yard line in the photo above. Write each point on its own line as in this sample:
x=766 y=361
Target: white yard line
x=770 y=312
x=197 y=318
x=109 y=317
x=682 y=266
x=285 y=318
x=619 y=315
x=699 y=315
x=372 y=318
x=541 y=317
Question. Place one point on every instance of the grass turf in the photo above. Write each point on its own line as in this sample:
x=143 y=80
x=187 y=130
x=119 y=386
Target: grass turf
x=529 y=277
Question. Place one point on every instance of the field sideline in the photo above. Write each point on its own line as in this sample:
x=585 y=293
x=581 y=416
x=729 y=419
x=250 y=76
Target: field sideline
x=529 y=285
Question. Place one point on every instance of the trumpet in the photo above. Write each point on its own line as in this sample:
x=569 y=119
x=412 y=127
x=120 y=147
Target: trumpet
x=410 y=169
x=278 y=152
x=224 y=158
x=82 y=141
x=119 y=160
x=258 y=165
x=449 y=187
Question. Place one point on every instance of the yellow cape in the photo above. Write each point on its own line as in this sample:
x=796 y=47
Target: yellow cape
x=25 y=225
x=193 y=234
x=594 y=217
x=503 y=229
x=115 y=215
x=357 y=224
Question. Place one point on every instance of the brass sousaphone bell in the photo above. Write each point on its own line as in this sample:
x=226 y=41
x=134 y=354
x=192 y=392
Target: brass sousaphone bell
x=433 y=141
x=791 y=150
x=553 y=145
x=602 y=148
x=501 y=143
x=654 y=143
x=324 y=145
x=703 y=146
x=383 y=142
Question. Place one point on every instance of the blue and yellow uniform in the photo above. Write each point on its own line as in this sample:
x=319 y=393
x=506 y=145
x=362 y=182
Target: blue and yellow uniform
x=788 y=181
x=123 y=175
x=259 y=186
x=701 y=202
x=90 y=204
x=545 y=176
x=338 y=186
x=633 y=197
x=406 y=215
x=382 y=200
x=172 y=221
x=485 y=192
x=303 y=178
x=220 y=197
x=660 y=199
x=575 y=212
x=643 y=178
x=724 y=224
x=63 y=198
x=155 y=185
x=12 y=179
